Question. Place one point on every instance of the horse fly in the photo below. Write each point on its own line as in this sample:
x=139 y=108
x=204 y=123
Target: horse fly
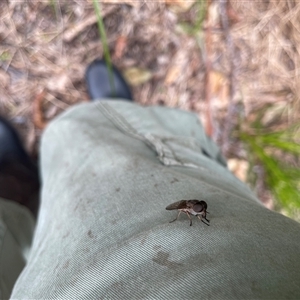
x=190 y=207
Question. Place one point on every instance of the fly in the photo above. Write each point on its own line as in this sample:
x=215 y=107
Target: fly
x=190 y=207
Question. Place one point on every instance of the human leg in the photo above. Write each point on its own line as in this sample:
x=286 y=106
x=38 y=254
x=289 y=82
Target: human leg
x=109 y=169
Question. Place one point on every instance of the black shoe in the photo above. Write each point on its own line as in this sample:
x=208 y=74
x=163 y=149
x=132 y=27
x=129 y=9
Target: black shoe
x=19 y=178
x=98 y=82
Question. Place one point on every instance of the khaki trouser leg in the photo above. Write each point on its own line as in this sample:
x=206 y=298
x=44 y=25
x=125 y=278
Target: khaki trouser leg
x=109 y=169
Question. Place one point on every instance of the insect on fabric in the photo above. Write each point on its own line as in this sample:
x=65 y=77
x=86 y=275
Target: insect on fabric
x=190 y=207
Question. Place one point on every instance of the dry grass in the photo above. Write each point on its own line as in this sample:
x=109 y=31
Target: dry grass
x=46 y=46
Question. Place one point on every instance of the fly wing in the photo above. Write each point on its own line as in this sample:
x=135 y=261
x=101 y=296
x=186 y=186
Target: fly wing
x=177 y=205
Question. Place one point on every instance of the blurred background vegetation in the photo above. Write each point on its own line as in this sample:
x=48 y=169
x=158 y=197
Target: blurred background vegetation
x=234 y=63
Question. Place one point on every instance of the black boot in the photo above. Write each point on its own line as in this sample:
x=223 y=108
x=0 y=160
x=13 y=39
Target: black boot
x=99 y=85
x=19 y=179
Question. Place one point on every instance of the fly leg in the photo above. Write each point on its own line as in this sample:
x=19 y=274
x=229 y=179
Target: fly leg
x=189 y=218
x=176 y=217
x=204 y=216
x=205 y=219
x=200 y=218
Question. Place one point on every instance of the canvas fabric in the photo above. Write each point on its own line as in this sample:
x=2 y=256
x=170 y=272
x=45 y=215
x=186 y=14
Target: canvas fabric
x=108 y=170
x=16 y=233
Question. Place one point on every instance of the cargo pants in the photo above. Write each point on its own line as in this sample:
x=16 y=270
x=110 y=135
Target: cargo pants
x=108 y=171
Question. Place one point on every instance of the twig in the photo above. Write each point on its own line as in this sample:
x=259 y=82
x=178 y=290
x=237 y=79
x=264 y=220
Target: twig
x=74 y=31
x=38 y=117
x=209 y=127
x=231 y=111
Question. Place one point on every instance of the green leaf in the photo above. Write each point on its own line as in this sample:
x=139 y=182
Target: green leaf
x=102 y=32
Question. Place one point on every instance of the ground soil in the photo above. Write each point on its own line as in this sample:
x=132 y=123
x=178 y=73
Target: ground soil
x=223 y=60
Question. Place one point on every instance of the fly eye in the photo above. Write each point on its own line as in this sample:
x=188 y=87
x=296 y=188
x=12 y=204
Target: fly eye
x=204 y=204
x=198 y=207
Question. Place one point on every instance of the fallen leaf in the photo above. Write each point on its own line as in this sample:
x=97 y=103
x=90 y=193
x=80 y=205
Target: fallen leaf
x=4 y=79
x=217 y=80
x=180 y=6
x=120 y=47
x=219 y=87
x=274 y=113
x=58 y=82
x=178 y=65
x=136 y=76
x=213 y=15
x=172 y=75
x=134 y=3
x=232 y=14
x=37 y=114
x=239 y=168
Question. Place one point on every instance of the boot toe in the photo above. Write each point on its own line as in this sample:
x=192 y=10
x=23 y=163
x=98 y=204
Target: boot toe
x=99 y=82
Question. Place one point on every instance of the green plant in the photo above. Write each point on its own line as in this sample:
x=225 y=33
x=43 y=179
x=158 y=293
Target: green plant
x=196 y=28
x=5 y=56
x=53 y=4
x=103 y=38
x=270 y=149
